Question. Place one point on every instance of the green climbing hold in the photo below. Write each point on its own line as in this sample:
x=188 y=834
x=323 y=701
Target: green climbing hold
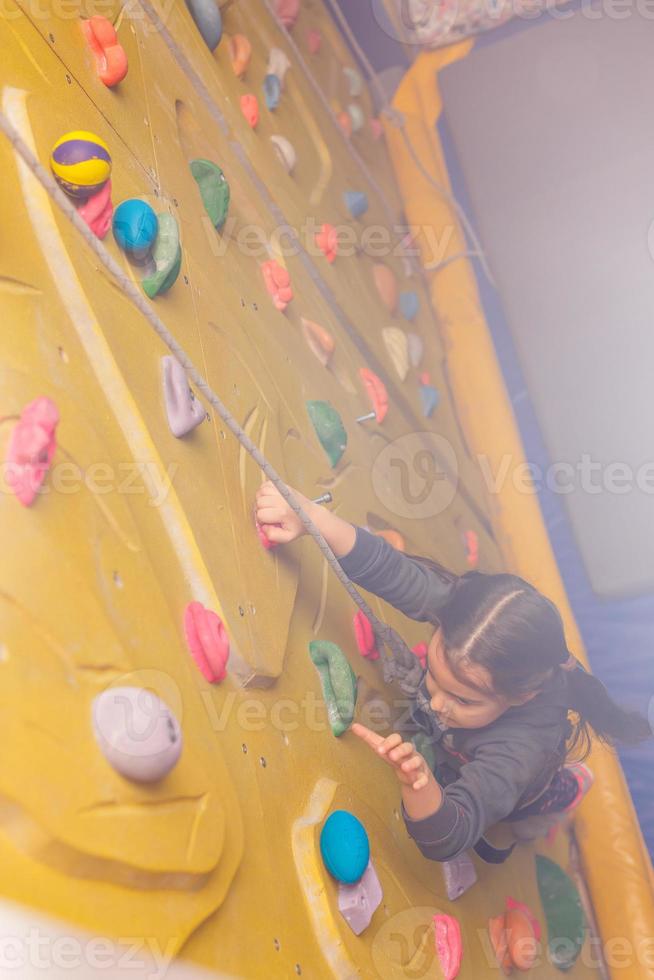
x=329 y=429
x=213 y=188
x=339 y=684
x=167 y=255
x=563 y=911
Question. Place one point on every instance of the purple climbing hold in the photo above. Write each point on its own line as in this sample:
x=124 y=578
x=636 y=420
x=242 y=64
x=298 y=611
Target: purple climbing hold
x=357 y=903
x=183 y=409
x=460 y=875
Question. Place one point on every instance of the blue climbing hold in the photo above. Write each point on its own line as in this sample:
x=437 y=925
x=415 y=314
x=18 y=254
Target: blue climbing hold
x=356 y=202
x=430 y=398
x=344 y=846
x=272 y=91
x=135 y=227
x=409 y=304
x=208 y=21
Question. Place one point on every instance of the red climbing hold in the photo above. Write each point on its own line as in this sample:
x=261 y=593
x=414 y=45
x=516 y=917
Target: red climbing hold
x=420 y=651
x=327 y=242
x=250 y=109
x=449 y=946
x=344 y=120
x=376 y=392
x=207 y=640
x=287 y=11
x=109 y=54
x=471 y=542
x=314 y=41
x=365 y=636
x=278 y=283
x=98 y=210
x=31 y=448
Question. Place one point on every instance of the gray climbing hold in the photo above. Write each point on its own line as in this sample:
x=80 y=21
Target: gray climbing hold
x=208 y=21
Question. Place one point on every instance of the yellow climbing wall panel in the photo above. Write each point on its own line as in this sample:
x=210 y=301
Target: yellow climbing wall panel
x=219 y=861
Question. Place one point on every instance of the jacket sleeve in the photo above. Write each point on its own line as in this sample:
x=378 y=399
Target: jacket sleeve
x=486 y=792
x=416 y=590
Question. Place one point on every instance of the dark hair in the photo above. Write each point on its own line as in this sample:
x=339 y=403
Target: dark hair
x=502 y=623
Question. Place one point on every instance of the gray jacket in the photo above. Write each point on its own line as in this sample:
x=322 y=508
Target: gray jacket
x=486 y=773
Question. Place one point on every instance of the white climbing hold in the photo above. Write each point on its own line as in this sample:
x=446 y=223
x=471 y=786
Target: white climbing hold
x=354 y=81
x=285 y=152
x=278 y=64
x=416 y=349
x=398 y=349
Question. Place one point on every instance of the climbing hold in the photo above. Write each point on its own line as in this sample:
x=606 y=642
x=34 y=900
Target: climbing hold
x=420 y=651
x=214 y=190
x=208 y=21
x=376 y=128
x=81 y=163
x=278 y=283
x=354 y=81
x=344 y=846
x=344 y=120
x=240 y=53
x=207 y=641
x=393 y=537
x=263 y=537
x=398 y=349
x=471 y=545
x=449 y=946
x=357 y=903
x=110 y=57
x=314 y=41
x=563 y=912
x=459 y=874
x=515 y=936
x=512 y=903
x=98 y=210
x=285 y=152
x=365 y=636
x=250 y=109
x=272 y=91
x=167 y=256
x=287 y=11
x=329 y=429
x=357 y=117
x=416 y=348
x=429 y=396
x=183 y=410
x=137 y=733
x=386 y=284
x=278 y=64
x=409 y=304
x=376 y=392
x=135 y=227
x=320 y=341
x=339 y=689
x=327 y=242
x=356 y=202
x=500 y=942
x=31 y=448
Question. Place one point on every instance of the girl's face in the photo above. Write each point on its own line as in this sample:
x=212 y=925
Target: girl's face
x=457 y=705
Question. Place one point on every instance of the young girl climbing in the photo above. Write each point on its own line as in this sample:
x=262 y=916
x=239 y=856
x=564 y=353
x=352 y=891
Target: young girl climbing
x=495 y=695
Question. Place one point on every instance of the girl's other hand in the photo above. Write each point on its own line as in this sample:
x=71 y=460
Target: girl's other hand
x=410 y=767
x=271 y=509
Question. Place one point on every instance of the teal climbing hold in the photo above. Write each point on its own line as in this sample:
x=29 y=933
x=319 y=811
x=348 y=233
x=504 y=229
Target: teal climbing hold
x=214 y=190
x=272 y=91
x=339 y=684
x=208 y=21
x=563 y=912
x=167 y=255
x=356 y=202
x=329 y=429
x=409 y=304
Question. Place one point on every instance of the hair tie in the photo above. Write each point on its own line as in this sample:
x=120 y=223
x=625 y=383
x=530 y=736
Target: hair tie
x=571 y=663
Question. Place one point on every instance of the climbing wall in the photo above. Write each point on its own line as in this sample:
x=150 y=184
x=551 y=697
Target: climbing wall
x=219 y=858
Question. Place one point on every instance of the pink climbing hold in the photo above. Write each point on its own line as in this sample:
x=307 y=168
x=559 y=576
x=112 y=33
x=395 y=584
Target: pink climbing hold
x=365 y=636
x=278 y=283
x=263 y=537
x=327 y=242
x=250 y=109
x=287 y=11
x=97 y=211
x=449 y=945
x=207 y=640
x=471 y=542
x=31 y=449
x=513 y=904
x=420 y=651
x=376 y=129
x=344 y=120
x=314 y=41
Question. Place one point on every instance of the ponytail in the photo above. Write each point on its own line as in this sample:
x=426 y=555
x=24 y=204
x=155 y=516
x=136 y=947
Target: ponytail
x=598 y=713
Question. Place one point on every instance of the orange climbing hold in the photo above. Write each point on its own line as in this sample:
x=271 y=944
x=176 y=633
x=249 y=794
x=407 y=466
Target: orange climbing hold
x=278 y=283
x=515 y=936
x=327 y=242
x=240 y=53
x=110 y=58
x=376 y=392
x=386 y=284
x=31 y=448
x=250 y=109
x=365 y=636
x=344 y=120
x=394 y=538
x=320 y=341
x=207 y=641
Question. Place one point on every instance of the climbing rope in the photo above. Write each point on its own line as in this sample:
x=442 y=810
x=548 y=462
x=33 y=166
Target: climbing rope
x=402 y=665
